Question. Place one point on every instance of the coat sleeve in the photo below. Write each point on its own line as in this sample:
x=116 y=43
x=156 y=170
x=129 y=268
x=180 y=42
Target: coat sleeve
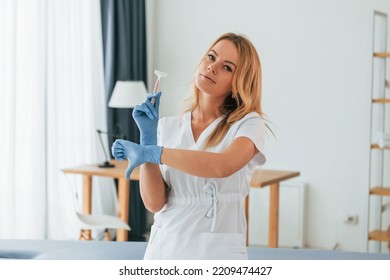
x=253 y=127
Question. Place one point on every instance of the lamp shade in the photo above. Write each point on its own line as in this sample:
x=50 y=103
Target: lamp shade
x=127 y=94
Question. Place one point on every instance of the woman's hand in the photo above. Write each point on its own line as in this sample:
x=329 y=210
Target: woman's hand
x=135 y=153
x=146 y=118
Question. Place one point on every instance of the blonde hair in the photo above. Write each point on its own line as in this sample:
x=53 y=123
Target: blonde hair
x=246 y=88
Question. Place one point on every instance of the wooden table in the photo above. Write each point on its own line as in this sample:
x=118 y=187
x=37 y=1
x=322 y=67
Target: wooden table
x=117 y=172
x=260 y=178
x=271 y=178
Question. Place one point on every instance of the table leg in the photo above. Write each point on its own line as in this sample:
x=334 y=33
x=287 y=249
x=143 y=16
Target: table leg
x=123 y=205
x=87 y=194
x=87 y=202
x=273 y=216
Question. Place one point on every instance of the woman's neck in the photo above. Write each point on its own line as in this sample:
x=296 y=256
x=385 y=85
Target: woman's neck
x=207 y=110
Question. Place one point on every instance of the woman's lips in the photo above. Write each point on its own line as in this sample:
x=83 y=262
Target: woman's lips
x=208 y=78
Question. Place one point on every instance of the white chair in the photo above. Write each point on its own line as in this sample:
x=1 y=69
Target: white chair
x=88 y=222
x=106 y=222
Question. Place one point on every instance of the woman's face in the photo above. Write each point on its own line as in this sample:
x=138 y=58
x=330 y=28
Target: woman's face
x=214 y=75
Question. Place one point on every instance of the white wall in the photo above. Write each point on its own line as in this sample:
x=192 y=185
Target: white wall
x=316 y=59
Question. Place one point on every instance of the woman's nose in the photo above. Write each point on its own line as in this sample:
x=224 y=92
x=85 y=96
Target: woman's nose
x=211 y=68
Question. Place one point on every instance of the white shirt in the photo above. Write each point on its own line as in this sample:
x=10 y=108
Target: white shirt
x=204 y=217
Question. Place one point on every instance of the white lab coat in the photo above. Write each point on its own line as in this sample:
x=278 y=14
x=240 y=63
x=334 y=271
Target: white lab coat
x=204 y=217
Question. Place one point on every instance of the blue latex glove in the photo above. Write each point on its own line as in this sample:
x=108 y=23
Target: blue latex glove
x=135 y=153
x=146 y=118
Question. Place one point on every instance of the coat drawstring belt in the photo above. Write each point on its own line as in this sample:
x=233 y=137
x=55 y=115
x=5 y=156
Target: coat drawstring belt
x=212 y=189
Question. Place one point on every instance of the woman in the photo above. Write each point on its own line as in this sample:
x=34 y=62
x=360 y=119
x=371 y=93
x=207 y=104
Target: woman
x=195 y=174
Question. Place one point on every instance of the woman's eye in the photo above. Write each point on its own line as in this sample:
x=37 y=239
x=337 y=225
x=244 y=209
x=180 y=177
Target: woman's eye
x=228 y=68
x=211 y=57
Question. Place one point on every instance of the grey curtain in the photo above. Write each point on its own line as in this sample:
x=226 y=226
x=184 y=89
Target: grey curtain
x=124 y=46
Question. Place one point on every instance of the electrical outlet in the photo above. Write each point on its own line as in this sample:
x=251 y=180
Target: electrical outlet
x=351 y=219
